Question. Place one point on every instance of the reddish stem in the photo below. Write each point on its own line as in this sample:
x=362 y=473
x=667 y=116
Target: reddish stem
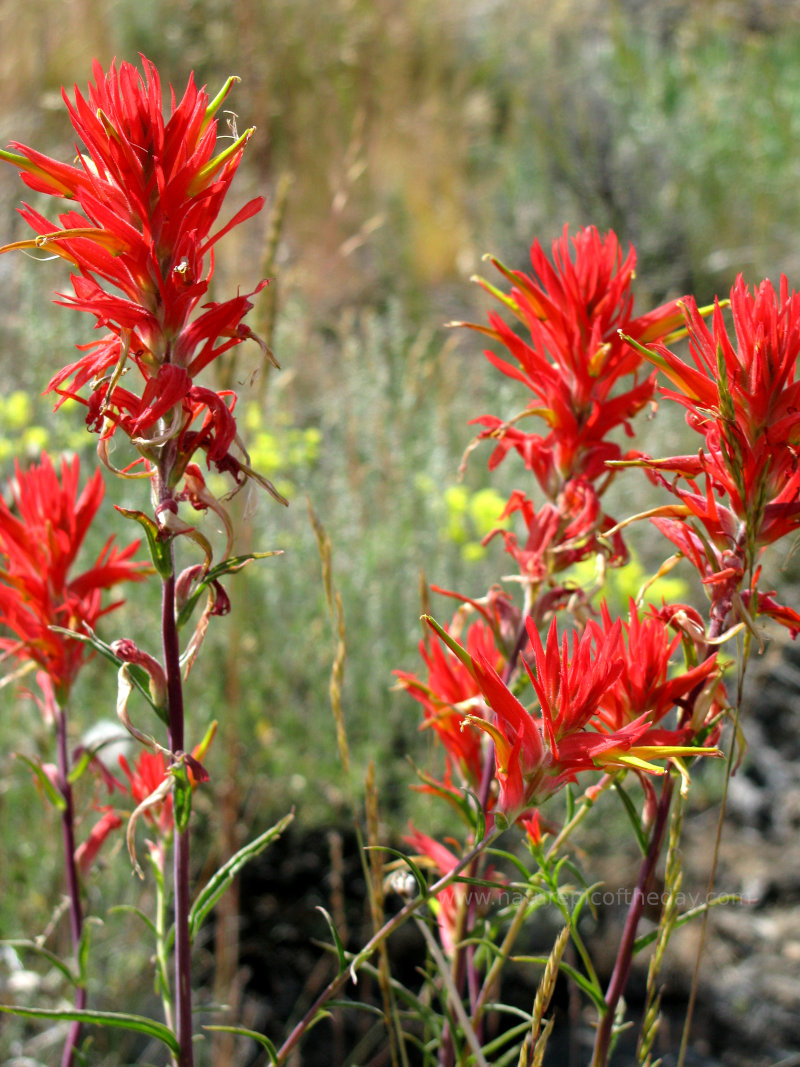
x=183 y=948
x=464 y=967
x=73 y=883
x=719 y=613
x=622 y=966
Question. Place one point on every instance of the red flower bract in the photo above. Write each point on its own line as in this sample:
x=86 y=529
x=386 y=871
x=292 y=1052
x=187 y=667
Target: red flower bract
x=742 y=396
x=572 y=359
x=588 y=718
x=146 y=194
x=450 y=693
x=38 y=547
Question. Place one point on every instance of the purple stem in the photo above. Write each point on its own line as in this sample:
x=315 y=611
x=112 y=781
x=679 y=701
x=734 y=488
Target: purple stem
x=183 y=948
x=464 y=969
x=622 y=966
x=718 y=615
x=73 y=884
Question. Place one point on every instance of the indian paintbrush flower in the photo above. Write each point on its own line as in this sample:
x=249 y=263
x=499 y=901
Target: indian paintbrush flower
x=144 y=197
x=42 y=530
x=538 y=751
x=571 y=357
x=741 y=395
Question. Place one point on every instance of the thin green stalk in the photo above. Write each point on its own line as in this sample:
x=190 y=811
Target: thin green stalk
x=464 y=962
x=712 y=874
x=162 y=949
x=453 y=994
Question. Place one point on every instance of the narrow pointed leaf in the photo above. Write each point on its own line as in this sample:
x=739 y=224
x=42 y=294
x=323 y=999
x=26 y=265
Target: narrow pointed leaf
x=227 y=566
x=159 y=548
x=219 y=882
x=685 y=917
x=80 y=766
x=52 y=794
x=452 y=644
x=46 y=954
x=337 y=941
x=595 y=994
x=261 y=1039
x=181 y=797
x=419 y=877
x=133 y=910
x=139 y=676
x=633 y=815
x=117 y=1020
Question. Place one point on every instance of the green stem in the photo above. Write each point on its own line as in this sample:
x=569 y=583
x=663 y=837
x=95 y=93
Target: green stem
x=162 y=951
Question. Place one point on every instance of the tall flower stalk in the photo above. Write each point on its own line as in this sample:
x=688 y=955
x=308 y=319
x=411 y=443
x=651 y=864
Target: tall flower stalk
x=42 y=529
x=144 y=194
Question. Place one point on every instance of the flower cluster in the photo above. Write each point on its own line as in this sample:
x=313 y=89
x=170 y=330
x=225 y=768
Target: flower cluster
x=584 y=383
x=522 y=706
x=600 y=699
x=42 y=530
x=146 y=194
x=741 y=395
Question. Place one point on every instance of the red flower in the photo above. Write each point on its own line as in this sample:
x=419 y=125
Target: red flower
x=145 y=196
x=147 y=774
x=644 y=686
x=572 y=311
x=450 y=693
x=536 y=753
x=450 y=903
x=742 y=396
x=559 y=534
x=38 y=548
x=150 y=192
x=86 y=852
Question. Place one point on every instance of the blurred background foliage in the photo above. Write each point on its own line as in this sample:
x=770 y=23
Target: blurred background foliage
x=397 y=141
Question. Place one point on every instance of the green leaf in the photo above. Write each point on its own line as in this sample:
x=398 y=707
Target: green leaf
x=160 y=550
x=581 y=980
x=52 y=794
x=133 y=910
x=498 y=1043
x=219 y=882
x=83 y=953
x=586 y=985
x=211 y=110
x=515 y=860
x=262 y=1039
x=336 y=939
x=138 y=676
x=633 y=815
x=118 y=1020
x=570 y=797
x=40 y=950
x=583 y=899
x=80 y=765
x=685 y=917
x=464 y=802
x=419 y=877
x=227 y=566
x=181 y=797
x=453 y=645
